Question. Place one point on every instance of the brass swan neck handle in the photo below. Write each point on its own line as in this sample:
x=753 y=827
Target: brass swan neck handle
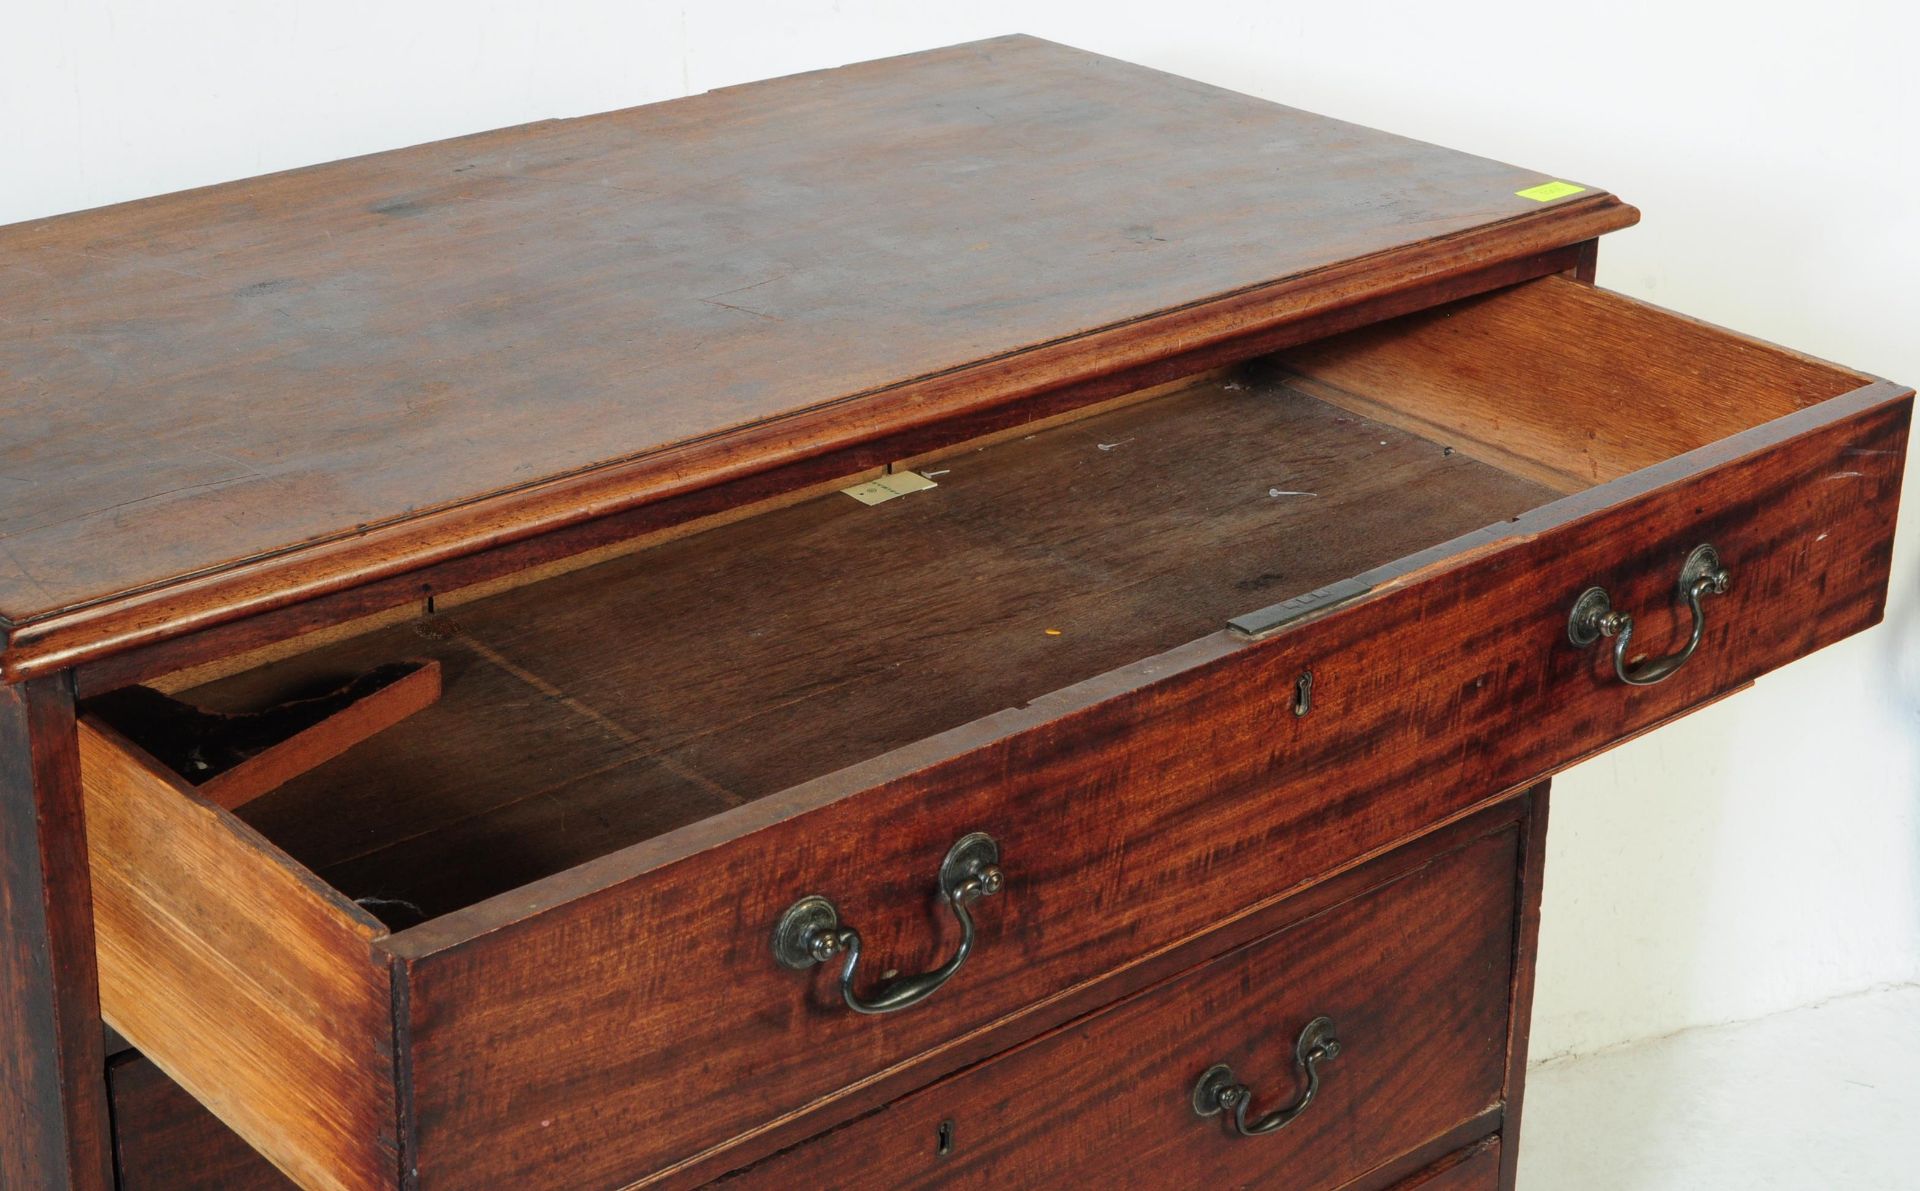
x=1594 y=617
x=1218 y=1092
x=810 y=932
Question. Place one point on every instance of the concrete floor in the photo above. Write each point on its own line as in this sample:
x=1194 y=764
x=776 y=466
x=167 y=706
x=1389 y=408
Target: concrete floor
x=1825 y=1098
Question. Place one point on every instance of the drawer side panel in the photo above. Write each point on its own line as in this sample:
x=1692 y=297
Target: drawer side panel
x=249 y=983
x=1564 y=383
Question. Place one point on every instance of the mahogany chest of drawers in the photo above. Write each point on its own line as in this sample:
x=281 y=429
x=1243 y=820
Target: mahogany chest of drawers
x=989 y=618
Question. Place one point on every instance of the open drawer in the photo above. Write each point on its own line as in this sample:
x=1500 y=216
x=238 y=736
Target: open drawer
x=527 y=935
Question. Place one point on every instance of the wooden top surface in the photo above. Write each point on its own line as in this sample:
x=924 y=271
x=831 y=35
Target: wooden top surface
x=368 y=362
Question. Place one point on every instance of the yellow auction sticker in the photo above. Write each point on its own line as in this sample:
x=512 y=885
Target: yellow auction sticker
x=1546 y=192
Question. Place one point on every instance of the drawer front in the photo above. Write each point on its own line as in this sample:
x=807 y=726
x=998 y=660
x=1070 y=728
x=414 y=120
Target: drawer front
x=165 y=1140
x=1412 y=977
x=554 y=1029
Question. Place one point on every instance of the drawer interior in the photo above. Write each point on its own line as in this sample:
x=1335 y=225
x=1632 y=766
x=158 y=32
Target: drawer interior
x=604 y=706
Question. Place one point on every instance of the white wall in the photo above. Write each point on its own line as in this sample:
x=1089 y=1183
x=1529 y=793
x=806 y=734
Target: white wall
x=1765 y=853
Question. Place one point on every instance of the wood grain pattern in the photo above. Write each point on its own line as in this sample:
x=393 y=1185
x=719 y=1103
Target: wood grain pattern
x=713 y=292
x=53 y=1109
x=245 y=980
x=1564 y=383
x=1414 y=976
x=722 y=668
x=1150 y=800
x=164 y=1140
